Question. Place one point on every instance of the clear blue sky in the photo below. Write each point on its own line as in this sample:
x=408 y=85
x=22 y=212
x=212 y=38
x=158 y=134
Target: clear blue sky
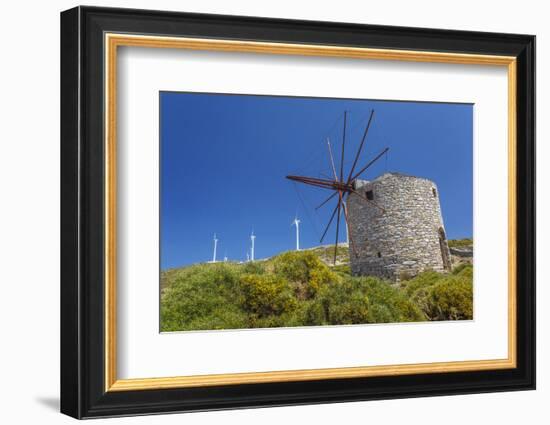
x=224 y=159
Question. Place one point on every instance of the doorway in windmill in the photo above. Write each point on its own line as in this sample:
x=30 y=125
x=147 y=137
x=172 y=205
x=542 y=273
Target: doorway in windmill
x=239 y=172
x=444 y=249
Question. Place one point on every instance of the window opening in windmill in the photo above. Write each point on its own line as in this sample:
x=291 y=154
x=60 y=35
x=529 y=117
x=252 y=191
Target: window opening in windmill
x=370 y=195
x=434 y=191
x=379 y=255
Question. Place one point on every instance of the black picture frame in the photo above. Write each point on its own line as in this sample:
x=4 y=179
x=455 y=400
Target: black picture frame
x=83 y=392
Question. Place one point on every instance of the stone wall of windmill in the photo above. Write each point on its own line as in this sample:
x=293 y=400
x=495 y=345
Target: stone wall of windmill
x=405 y=235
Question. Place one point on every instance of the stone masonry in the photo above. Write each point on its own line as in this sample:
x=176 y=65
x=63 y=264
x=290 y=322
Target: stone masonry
x=403 y=239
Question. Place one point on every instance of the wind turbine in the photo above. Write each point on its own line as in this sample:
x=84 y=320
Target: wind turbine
x=215 y=248
x=252 y=237
x=296 y=223
x=347 y=233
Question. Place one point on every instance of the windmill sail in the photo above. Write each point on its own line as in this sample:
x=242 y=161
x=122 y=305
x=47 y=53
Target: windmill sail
x=342 y=189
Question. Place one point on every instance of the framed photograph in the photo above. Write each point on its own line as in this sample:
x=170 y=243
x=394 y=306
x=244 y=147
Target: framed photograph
x=261 y=212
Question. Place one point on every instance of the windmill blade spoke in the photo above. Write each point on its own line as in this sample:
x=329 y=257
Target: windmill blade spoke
x=312 y=181
x=353 y=247
x=329 y=223
x=322 y=186
x=343 y=147
x=305 y=179
x=369 y=164
x=342 y=188
x=360 y=146
x=326 y=200
x=337 y=231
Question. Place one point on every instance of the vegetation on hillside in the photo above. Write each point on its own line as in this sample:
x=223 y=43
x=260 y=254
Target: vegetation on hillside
x=299 y=289
x=460 y=243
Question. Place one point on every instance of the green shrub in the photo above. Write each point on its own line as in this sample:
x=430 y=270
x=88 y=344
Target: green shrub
x=196 y=293
x=225 y=317
x=381 y=313
x=465 y=270
x=253 y=267
x=405 y=275
x=362 y=300
x=460 y=243
x=316 y=313
x=351 y=309
x=421 y=281
x=326 y=253
x=392 y=304
x=451 y=299
x=298 y=289
x=443 y=296
x=417 y=289
x=297 y=316
x=264 y=295
x=342 y=269
x=305 y=270
x=343 y=303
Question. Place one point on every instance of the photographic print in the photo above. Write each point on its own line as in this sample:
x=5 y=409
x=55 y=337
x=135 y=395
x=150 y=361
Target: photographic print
x=254 y=184
x=281 y=211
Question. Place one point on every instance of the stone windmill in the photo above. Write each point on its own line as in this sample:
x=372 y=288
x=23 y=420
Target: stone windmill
x=395 y=225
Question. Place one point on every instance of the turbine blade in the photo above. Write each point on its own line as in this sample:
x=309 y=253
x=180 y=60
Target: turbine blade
x=360 y=146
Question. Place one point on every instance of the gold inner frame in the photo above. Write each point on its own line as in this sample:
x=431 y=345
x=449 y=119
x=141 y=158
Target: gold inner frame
x=113 y=41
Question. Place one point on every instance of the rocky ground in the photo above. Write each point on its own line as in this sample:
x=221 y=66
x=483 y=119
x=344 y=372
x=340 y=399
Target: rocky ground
x=462 y=255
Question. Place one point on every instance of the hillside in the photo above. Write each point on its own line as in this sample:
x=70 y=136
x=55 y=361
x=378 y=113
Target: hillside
x=301 y=289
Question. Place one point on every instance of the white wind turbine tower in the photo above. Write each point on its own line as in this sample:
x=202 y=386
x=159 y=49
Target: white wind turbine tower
x=252 y=238
x=215 y=248
x=296 y=223
x=347 y=233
